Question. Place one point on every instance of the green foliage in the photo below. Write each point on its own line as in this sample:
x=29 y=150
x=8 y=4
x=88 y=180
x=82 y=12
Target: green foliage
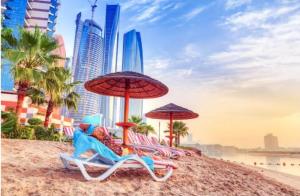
x=35 y=121
x=41 y=133
x=141 y=127
x=9 y=124
x=10 y=129
x=180 y=130
x=25 y=132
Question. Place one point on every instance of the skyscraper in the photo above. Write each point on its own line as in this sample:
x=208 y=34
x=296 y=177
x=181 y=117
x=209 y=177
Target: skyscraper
x=88 y=64
x=28 y=14
x=111 y=39
x=271 y=142
x=133 y=61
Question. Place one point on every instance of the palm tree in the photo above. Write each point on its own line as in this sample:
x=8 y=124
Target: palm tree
x=180 y=130
x=141 y=126
x=56 y=90
x=28 y=54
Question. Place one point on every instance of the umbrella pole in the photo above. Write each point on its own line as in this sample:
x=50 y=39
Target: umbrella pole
x=126 y=111
x=171 y=129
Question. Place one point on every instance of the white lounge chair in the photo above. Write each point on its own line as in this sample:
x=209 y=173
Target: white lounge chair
x=133 y=162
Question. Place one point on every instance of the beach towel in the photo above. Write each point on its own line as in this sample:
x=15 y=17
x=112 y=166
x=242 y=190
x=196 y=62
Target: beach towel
x=83 y=143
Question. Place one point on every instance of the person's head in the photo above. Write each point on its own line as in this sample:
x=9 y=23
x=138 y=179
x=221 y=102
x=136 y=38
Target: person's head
x=84 y=126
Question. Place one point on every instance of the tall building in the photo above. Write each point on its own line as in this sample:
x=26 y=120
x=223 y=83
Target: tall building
x=133 y=61
x=60 y=51
x=28 y=14
x=111 y=41
x=271 y=142
x=88 y=64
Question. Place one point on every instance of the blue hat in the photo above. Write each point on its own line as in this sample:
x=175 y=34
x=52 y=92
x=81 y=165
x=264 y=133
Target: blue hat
x=92 y=119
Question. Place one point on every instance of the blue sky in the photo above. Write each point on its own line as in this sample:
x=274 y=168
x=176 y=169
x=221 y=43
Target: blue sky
x=235 y=62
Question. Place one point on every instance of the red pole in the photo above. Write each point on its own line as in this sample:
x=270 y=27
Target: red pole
x=171 y=128
x=126 y=111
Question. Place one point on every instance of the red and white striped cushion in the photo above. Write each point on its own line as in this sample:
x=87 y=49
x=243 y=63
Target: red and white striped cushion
x=69 y=132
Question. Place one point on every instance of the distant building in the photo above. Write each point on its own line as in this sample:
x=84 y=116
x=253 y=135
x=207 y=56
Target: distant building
x=133 y=61
x=60 y=51
x=111 y=42
x=88 y=64
x=271 y=142
x=28 y=14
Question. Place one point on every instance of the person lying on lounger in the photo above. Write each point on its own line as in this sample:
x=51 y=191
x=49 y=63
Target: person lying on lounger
x=90 y=126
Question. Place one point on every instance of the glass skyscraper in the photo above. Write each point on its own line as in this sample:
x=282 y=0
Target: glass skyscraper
x=111 y=39
x=28 y=14
x=88 y=64
x=133 y=61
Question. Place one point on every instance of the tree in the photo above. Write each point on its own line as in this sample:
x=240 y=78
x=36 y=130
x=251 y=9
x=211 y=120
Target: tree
x=141 y=126
x=29 y=54
x=55 y=90
x=180 y=130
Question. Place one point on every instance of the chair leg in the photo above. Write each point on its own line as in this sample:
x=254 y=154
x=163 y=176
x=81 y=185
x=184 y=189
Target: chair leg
x=112 y=169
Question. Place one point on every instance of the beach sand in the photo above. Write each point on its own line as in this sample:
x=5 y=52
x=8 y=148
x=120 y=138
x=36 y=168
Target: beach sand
x=34 y=168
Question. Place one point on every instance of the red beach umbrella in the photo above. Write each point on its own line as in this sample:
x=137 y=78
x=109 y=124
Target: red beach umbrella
x=171 y=112
x=128 y=85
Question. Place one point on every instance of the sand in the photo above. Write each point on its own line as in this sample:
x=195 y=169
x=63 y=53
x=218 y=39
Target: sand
x=34 y=168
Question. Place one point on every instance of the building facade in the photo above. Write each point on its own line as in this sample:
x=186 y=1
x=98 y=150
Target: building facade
x=88 y=64
x=271 y=142
x=28 y=14
x=111 y=42
x=60 y=50
x=9 y=101
x=133 y=61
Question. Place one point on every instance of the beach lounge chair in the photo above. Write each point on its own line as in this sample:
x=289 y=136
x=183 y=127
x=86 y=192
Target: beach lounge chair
x=69 y=132
x=179 y=151
x=140 y=141
x=104 y=158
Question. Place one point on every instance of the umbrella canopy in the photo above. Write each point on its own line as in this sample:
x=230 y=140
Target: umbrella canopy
x=179 y=113
x=127 y=84
x=171 y=112
x=137 y=85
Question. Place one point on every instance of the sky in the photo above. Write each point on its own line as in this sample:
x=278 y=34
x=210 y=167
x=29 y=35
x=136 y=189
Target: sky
x=235 y=62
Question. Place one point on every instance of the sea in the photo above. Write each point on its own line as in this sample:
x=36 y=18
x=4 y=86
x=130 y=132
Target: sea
x=288 y=164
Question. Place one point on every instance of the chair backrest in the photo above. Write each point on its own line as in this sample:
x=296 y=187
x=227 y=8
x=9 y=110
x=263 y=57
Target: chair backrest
x=155 y=141
x=148 y=140
x=132 y=137
x=69 y=132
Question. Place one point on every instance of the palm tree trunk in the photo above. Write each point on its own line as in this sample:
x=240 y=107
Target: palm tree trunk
x=21 y=92
x=178 y=140
x=48 y=113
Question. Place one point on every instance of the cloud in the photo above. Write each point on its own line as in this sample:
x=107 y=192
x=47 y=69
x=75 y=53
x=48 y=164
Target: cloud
x=149 y=11
x=232 y=4
x=158 y=63
x=192 y=50
x=193 y=13
x=258 y=19
x=265 y=58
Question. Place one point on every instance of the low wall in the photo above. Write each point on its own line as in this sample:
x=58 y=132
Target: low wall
x=29 y=110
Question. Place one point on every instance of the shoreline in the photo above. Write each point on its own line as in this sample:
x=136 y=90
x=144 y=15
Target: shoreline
x=32 y=167
x=288 y=179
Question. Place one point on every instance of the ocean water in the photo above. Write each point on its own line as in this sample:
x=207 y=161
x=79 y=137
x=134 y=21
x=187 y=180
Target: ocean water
x=285 y=164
